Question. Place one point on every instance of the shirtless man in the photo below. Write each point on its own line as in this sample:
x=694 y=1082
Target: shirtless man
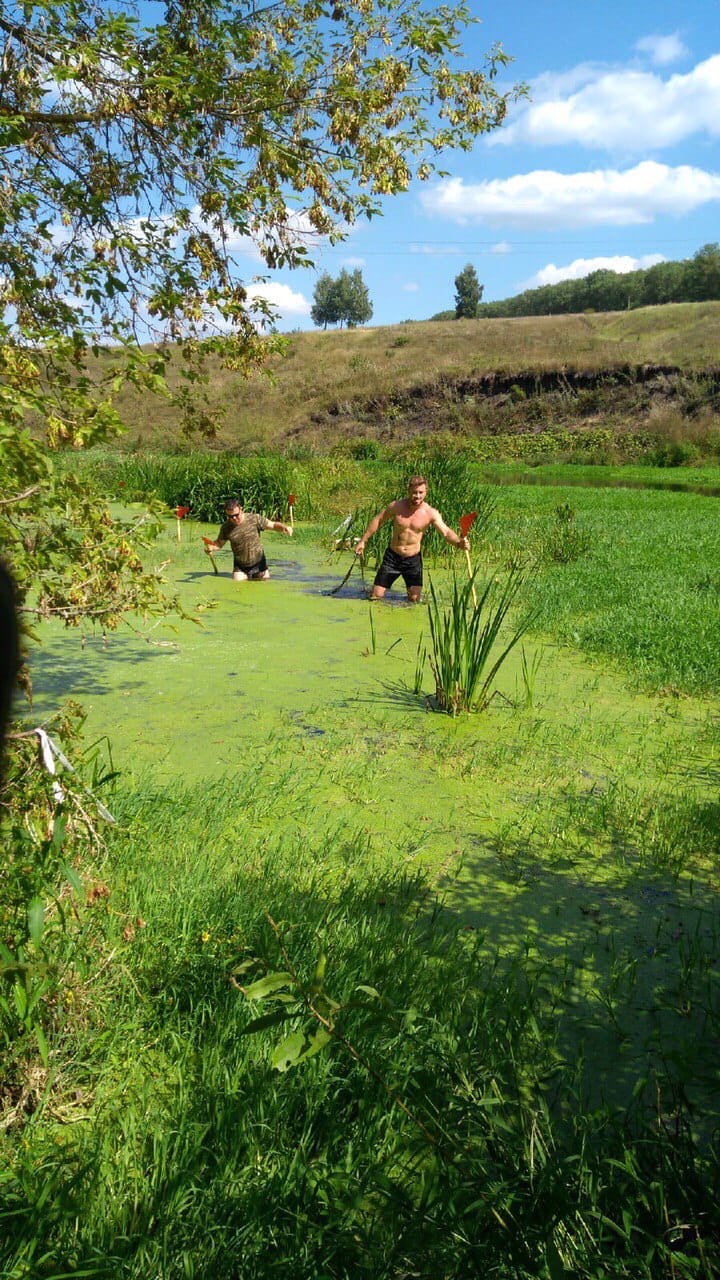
x=411 y=517
x=242 y=529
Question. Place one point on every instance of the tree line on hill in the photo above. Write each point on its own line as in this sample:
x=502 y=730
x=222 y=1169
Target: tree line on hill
x=695 y=279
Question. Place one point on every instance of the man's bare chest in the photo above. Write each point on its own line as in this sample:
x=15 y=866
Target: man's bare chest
x=415 y=523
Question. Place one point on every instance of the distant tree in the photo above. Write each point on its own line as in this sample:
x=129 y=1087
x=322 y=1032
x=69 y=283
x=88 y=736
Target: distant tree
x=665 y=282
x=341 y=300
x=606 y=290
x=468 y=292
x=695 y=279
x=324 y=309
x=354 y=302
x=703 y=274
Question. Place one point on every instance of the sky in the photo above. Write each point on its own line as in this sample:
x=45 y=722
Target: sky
x=612 y=161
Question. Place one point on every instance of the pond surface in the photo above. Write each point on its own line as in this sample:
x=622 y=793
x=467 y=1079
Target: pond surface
x=531 y=821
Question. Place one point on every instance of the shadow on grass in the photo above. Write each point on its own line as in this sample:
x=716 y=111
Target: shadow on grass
x=540 y=1090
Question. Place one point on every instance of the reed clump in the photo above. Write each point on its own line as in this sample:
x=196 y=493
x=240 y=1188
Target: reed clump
x=464 y=635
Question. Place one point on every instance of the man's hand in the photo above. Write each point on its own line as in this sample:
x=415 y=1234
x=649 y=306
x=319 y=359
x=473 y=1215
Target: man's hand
x=464 y=544
x=210 y=547
x=360 y=548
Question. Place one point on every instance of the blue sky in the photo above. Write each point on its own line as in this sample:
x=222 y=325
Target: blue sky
x=613 y=161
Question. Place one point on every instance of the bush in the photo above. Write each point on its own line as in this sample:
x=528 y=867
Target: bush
x=365 y=450
x=675 y=453
x=566 y=540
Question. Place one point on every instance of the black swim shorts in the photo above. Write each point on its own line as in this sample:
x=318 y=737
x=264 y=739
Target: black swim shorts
x=409 y=568
x=251 y=570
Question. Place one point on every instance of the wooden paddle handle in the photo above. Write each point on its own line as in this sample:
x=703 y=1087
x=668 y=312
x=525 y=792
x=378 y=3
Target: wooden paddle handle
x=470 y=574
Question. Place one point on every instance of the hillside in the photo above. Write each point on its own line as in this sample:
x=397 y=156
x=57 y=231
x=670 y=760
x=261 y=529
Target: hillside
x=471 y=377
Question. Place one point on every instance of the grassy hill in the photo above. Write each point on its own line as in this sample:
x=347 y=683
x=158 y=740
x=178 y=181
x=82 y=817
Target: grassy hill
x=470 y=377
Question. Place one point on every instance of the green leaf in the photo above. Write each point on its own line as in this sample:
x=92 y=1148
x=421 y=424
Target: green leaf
x=73 y=879
x=369 y=991
x=320 y=968
x=42 y=1045
x=554 y=1262
x=266 y=1020
x=298 y=1046
x=267 y=985
x=20 y=996
x=59 y=833
x=36 y=920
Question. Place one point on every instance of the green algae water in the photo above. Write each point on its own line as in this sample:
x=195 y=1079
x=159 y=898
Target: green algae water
x=578 y=826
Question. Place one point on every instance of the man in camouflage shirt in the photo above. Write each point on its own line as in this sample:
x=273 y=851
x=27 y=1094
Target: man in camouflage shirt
x=242 y=529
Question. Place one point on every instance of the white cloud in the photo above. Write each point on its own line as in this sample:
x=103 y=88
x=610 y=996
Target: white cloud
x=625 y=109
x=281 y=297
x=502 y=246
x=411 y=287
x=546 y=199
x=581 y=267
x=353 y=262
x=662 y=50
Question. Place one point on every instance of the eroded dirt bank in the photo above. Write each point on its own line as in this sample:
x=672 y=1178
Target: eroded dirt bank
x=501 y=403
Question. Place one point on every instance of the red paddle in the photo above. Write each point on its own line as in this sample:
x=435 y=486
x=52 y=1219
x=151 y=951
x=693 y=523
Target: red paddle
x=181 y=512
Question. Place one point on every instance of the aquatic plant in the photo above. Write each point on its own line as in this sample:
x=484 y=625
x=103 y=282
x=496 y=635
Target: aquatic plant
x=204 y=482
x=566 y=540
x=420 y=660
x=463 y=637
x=529 y=667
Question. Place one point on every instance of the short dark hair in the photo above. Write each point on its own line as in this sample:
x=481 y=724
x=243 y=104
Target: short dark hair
x=416 y=480
x=232 y=503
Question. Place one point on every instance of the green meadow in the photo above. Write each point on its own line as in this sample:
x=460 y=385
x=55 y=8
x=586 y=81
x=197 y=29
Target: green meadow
x=358 y=988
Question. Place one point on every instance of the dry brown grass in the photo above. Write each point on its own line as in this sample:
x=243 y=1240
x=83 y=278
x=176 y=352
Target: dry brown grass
x=331 y=372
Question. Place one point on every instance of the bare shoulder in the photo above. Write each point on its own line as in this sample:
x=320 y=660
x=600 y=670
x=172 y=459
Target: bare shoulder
x=436 y=519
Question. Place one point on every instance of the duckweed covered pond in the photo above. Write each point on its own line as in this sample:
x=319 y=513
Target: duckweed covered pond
x=579 y=824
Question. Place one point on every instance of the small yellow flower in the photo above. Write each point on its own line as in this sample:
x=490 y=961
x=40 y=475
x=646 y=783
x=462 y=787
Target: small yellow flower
x=205 y=936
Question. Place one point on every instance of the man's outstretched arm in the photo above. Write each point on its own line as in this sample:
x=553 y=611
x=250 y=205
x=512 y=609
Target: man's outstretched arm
x=449 y=534
x=373 y=527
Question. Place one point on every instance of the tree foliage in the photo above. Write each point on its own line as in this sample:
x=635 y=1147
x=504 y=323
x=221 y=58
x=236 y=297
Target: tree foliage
x=355 y=305
x=695 y=279
x=468 y=292
x=324 y=307
x=342 y=300
x=142 y=148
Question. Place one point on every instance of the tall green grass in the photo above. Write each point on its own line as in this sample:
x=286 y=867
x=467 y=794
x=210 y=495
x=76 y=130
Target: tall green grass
x=204 y=482
x=638 y=590
x=443 y=1133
